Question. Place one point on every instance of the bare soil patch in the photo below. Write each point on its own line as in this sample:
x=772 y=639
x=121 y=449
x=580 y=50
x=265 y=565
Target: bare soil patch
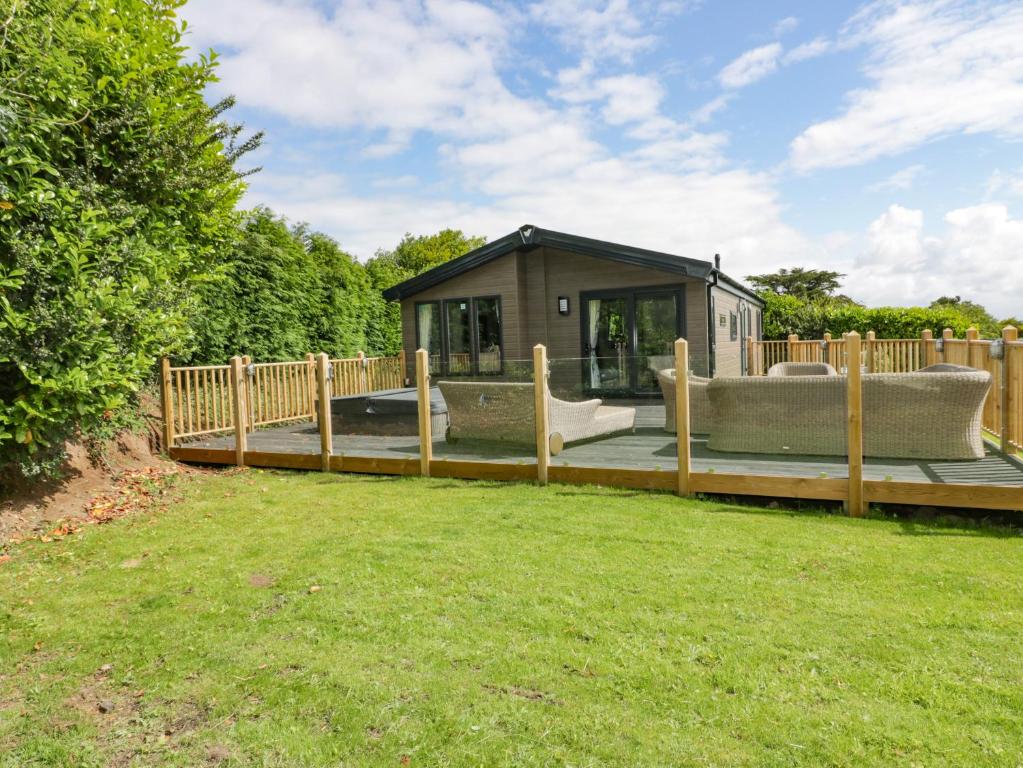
x=130 y=476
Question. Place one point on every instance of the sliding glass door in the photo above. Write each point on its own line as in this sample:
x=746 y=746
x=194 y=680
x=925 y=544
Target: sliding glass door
x=627 y=336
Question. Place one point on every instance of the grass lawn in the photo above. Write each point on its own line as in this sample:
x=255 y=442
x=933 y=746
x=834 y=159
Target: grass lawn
x=460 y=623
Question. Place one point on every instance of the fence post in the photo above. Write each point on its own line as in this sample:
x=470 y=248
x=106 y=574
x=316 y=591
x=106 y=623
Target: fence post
x=166 y=398
x=749 y=356
x=793 y=338
x=250 y=415
x=683 y=447
x=946 y=335
x=1009 y=334
x=310 y=370
x=854 y=394
x=972 y=334
x=423 y=396
x=361 y=366
x=541 y=409
x=241 y=407
x=870 y=351
x=930 y=354
x=402 y=368
x=324 y=420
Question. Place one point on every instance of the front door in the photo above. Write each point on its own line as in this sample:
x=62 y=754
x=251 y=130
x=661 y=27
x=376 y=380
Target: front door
x=627 y=336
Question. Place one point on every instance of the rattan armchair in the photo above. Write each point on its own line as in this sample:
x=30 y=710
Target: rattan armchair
x=699 y=404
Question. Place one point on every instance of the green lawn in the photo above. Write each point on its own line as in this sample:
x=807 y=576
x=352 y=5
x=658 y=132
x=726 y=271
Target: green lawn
x=486 y=624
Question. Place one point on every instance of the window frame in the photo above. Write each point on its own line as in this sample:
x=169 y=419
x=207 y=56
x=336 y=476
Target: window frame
x=444 y=353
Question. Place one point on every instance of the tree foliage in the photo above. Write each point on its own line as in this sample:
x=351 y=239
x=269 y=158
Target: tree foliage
x=784 y=315
x=282 y=291
x=117 y=184
x=804 y=284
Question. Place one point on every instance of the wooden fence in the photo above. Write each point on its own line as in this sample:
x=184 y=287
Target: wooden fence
x=856 y=491
x=201 y=400
x=1002 y=358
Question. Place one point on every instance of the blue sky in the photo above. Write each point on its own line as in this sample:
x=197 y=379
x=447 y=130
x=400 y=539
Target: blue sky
x=884 y=140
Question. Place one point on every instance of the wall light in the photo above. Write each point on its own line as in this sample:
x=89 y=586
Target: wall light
x=939 y=345
x=562 y=305
x=997 y=349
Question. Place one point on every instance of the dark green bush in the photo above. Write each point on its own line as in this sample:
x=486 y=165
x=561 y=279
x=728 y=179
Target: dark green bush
x=116 y=187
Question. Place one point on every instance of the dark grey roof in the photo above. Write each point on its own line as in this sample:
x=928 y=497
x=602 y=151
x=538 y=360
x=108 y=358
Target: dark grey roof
x=528 y=237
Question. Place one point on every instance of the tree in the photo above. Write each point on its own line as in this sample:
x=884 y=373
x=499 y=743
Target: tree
x=117 y=185
x=979 y=317
x=805 y=284
x=412 y=256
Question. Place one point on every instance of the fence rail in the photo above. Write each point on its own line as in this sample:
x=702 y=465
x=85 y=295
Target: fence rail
x=1002 y=358
x=200 y=400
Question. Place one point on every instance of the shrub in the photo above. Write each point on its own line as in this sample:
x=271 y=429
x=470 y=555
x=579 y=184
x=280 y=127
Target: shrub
x=116 y=186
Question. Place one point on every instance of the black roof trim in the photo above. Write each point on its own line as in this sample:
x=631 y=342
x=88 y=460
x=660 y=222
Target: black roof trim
x=528 y=237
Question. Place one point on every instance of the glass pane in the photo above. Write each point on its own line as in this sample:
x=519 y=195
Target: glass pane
x=488 y=331
x=459 y=336
x=490 y=417
x=656 y=331
x=428 y=331
x=607 y=344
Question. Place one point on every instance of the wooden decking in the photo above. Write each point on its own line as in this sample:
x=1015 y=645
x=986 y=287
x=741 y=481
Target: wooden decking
x=650 y=448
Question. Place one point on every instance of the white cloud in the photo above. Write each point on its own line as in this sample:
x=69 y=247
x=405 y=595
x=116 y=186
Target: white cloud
x=599 y=28
x=976 y=256
x=900 y=180
x=785 y=26
x=711 y=108
x=630 y=98
x=937 y=68
x=751 y=66
x=809 y=50
x=735 y=213
x=396 y=66
x=626 y=98
x=1002 y=183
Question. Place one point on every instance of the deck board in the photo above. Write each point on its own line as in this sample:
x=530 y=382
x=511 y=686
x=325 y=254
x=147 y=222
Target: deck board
x=650 y=447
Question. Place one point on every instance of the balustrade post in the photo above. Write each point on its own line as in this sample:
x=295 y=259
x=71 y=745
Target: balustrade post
x=854 y=408
x=241 y=409
x=541 y=406
x=167 y=400
x=1010 y=334
x=423 y=397
x=323 y=409
x=930 y=354
x=682 y=441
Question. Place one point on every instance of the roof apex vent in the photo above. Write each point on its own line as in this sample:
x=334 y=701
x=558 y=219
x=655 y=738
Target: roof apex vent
x=526 y=233
x=717 y=261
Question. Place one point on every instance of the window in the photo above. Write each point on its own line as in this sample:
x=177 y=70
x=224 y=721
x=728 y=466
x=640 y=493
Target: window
x=459 y=336
x=488 y=334
x=462 y=336
x=733 y=326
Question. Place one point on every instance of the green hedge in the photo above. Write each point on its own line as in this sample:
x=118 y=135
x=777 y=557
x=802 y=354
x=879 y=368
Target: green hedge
x=784 y=315
x=116 y=188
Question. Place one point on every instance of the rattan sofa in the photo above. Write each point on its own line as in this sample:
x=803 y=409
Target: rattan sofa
x=504 y=411
x=699 y=404
x=929 y=414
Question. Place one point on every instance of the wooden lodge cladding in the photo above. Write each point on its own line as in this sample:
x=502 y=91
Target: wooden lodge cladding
x=534 y=271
